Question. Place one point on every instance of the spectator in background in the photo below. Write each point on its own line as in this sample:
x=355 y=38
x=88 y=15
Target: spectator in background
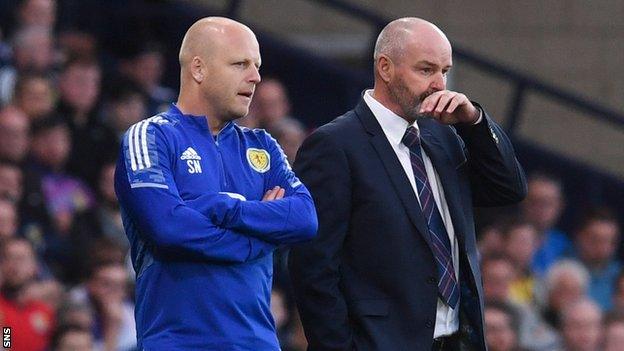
x=106 y=290
x=613 y=332
x=618 y=294
x=98 y=143
x=105 y=219
x=79 y=87
x=124 y=105
x=32 y=321
x=566 y=282
x=8 y=219
x=520 y=243
x=14 y=137
x=10 y=181
x=34 y=94
x=596 y=241
x=72 y=338
x=270 y=104
x=33 y=51
x=146 y=68
x=542 y=208
x=36 y=13
x=581 y=323
x=76 y=44
x=52 y=197
x=290 y=134
x=491 y=239
x=498 y=274
x=501 y=327
x=77 y=313
x=102 y=221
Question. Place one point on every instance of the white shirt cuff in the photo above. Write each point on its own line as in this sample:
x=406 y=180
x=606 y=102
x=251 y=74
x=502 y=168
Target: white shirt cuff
x=480 y=117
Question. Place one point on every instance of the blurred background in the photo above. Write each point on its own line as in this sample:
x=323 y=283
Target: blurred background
x=74 y=75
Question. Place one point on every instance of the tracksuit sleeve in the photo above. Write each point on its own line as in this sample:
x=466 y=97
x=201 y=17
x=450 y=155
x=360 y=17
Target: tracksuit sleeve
x=148 y=194
x=285 y=221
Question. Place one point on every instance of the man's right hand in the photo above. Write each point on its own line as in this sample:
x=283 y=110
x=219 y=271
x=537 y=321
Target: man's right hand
x=274 y=194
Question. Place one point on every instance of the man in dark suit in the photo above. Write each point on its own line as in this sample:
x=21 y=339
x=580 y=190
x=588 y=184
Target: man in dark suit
x=395 y=266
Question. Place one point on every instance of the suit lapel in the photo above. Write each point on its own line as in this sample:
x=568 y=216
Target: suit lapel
x=394 y=170
x=448 y=176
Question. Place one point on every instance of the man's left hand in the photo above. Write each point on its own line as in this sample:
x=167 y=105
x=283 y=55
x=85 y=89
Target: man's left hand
x=275 y=193
x=449 y=107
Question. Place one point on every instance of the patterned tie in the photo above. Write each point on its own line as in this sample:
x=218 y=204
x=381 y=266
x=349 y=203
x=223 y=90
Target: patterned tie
x=447 y=284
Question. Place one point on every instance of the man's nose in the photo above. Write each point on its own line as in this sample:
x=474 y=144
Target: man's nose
x=439 y=82
x=254 y=75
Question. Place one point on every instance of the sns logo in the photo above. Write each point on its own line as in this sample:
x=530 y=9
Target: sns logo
x=192 y=160
x=6 y=337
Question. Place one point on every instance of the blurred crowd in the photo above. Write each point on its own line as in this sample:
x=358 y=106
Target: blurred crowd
x=65 y=278
x=549 y=290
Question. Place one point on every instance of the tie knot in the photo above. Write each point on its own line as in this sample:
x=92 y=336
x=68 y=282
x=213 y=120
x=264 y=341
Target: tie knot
x=411 y=137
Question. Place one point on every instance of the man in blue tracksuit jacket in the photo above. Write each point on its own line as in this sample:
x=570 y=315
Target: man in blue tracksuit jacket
x=205 y=202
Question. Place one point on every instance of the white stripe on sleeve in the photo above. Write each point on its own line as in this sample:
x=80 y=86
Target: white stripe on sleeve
x=144 y=144
x=137 y=148
x=131 y=148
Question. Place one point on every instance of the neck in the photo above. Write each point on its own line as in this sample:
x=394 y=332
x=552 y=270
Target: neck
x=194 y=107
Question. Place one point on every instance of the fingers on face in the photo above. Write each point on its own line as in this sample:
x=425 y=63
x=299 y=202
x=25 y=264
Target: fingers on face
x=452 y=106
x=430 y=102
x=443 y=102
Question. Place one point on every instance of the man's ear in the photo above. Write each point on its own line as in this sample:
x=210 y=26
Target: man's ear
x=198 y=70
x=385 y=68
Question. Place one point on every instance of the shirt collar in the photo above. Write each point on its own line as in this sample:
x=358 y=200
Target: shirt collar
x=393 y=125
x=197 y=121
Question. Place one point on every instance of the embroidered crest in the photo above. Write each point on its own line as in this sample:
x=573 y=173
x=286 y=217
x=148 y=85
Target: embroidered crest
x=259 y=159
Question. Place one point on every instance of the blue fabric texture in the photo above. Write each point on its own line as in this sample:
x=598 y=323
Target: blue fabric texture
x=201 y=238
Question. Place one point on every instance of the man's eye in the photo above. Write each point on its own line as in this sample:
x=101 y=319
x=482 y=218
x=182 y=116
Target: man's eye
x=426 y=71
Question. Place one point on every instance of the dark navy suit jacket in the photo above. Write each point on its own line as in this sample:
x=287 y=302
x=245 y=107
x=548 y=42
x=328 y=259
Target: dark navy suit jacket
x=369 y=280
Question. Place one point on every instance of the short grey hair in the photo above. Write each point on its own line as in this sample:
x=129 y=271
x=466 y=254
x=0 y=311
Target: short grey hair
x=393 y=37
x=389 y=41
x=563 y=267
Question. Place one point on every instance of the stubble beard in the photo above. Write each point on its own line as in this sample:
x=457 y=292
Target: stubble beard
x=409 y=104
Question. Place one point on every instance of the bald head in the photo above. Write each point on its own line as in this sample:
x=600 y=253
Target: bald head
x=397 y=34
x=208 y=35
x=220 y=62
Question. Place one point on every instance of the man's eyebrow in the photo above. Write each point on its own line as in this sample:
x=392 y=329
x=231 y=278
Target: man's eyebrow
x=425 y=62
x=429 y=63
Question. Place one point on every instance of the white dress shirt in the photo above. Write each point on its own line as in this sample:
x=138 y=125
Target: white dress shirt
x=394 y=127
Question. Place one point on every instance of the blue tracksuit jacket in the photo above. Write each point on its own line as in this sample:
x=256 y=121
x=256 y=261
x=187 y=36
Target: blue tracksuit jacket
x=201 y=239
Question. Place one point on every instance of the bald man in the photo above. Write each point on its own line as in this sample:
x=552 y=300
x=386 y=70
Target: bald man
x=394 y=266
x=204 y=203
